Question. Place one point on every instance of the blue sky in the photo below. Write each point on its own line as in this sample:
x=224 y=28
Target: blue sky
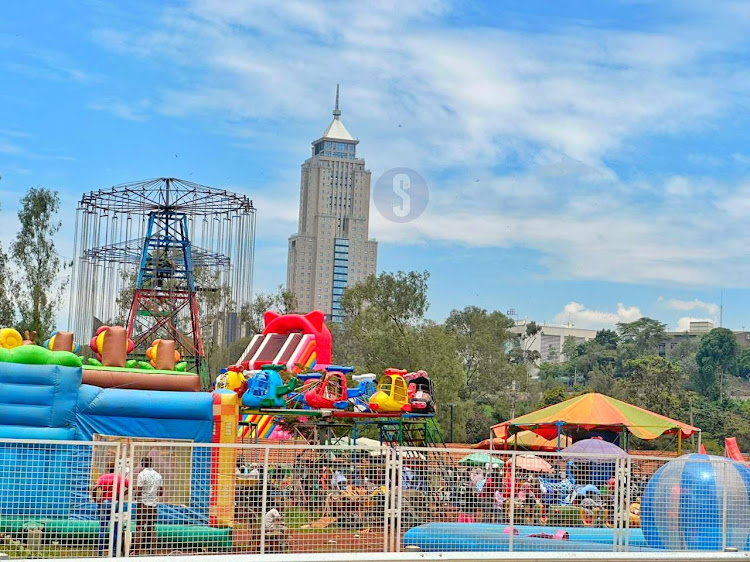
x=587 y=161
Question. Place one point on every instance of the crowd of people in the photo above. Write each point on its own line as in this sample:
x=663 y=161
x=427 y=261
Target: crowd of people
x=350 y=492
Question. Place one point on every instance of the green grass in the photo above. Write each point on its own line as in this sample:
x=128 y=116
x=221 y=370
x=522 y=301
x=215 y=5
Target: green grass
x=15 y=549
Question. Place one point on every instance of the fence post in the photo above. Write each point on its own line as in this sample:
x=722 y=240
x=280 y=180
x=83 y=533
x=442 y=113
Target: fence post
x=389 y=513
x=386 y=498
x=127 y=519
x=264 y=502
x=512 y=506
x=628 y=499
x=118 y=520
x=112 y=541
x=398 y=496
x=724 y=479
x=616 y=503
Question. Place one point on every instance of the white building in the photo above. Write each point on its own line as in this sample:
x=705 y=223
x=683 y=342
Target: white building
x=548 y=341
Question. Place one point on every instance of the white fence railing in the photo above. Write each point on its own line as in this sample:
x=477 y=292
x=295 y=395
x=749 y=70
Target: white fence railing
x=144 y=498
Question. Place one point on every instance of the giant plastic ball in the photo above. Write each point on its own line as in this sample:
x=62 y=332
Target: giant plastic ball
x=695 y=501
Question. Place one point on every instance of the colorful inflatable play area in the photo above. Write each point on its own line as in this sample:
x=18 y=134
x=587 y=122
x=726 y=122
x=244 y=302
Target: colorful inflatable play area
x=51 y=393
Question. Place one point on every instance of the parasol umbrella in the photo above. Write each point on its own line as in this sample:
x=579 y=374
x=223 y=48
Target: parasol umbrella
x=597 y=470
x=480 y=459
x=532 y=463
x=595 y=447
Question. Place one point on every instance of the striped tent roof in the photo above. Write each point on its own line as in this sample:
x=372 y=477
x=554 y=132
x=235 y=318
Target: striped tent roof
x=594 y=411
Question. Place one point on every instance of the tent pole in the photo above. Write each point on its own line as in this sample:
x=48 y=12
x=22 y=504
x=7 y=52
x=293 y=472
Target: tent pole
x=679 y=442
x=559 y=429
x=699 y=440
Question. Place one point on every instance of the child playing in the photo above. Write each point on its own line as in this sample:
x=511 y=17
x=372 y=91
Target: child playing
x=276 y=531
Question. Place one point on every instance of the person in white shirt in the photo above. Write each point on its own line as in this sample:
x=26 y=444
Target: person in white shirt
x=148 y=490
x=275 y=529
x=339 y=480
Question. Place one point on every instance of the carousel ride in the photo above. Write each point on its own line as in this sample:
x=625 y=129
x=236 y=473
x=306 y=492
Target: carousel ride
x=155 y=255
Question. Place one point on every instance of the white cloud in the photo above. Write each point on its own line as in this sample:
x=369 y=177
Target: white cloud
x=556 y=104
x=695 y=304
x=131 y=111
x=8 y=148
x=678 y=186
x=581 y=317
x=683 y=324
x=579 y=91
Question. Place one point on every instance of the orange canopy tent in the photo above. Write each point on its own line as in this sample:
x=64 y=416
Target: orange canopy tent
x=594 y=411
x=526 y=441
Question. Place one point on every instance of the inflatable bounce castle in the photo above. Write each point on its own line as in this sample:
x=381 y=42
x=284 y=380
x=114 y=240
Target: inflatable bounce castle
x=50 y=393
x=298 y=342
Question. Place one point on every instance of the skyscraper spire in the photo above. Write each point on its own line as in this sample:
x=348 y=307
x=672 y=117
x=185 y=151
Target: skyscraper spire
x=336 y=110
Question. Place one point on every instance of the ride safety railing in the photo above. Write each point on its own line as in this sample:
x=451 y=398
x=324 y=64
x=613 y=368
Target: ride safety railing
x=116 y=497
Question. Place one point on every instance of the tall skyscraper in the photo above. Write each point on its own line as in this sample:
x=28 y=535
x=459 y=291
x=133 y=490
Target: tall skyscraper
x=331 y=249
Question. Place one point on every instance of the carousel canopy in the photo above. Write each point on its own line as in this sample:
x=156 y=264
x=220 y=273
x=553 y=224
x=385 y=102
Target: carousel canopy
x=594 y=411
x=525 y=440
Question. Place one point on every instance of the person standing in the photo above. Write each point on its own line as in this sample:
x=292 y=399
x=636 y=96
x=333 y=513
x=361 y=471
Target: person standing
x=106 y=492
x=148 y=492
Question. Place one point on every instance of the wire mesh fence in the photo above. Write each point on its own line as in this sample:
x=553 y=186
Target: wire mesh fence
x=55 y=500
x=143 y=498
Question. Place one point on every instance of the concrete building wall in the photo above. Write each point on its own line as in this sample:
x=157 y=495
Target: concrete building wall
x=331 y=249
x=548 y=342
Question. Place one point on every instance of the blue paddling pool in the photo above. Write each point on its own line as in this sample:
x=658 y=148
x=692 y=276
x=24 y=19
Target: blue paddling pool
x=487 y=537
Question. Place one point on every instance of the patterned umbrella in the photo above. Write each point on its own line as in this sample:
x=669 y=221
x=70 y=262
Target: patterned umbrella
x=532 y=463
x=480 y=459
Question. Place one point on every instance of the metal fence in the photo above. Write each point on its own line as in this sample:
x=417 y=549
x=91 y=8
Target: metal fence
x=142 y=498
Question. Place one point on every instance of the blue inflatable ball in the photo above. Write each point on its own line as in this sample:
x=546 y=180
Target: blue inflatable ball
x=683 y=507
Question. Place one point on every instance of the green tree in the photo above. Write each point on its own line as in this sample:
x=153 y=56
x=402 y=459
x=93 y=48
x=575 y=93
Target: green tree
x=743 y=363
x=282 y=301
x=553 y=395
x=40 y=289
x=607 y=338
x=384 y=326
x=683 y=355
x=570 y=347
x=379 y=316
x=641 y=337
x=7 y=300
x=434 y=350
x=481 y=338
x=480 y=419
x=603 y=380
x=656 y=384
x=716 y=358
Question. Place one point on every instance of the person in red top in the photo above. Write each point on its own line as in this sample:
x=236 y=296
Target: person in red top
x=492 y=483
x=106 y=490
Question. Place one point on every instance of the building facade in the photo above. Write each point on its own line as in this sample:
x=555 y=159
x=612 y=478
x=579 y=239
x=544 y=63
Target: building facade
x=697 y=329
x=331 y=249
x=549 y=340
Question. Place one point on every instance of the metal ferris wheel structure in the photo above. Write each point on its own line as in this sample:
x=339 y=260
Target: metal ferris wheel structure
x=158 y=255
